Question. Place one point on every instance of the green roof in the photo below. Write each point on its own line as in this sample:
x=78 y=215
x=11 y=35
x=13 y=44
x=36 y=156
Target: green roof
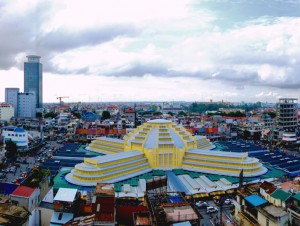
x=60 y=182
x=297 y=196
x=280 y=194
x=158 y=173
x=273 y=173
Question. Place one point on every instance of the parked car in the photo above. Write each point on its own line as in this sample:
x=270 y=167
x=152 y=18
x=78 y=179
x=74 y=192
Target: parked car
x=211 y=209
x=227 y=201
x=201 y=204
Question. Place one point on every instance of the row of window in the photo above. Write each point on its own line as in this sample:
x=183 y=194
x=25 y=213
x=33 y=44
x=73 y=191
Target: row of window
x=17 y=135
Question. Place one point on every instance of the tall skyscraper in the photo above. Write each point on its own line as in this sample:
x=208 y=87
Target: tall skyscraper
x=11 y=97
x=33 y=78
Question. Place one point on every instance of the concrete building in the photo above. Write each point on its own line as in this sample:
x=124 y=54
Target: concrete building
x=287 y=114
x=26 y=105
x=11 y=97
x=6 y=112
x=17 y=135
x=33 y=78
x=26 y=197
x=130 y=115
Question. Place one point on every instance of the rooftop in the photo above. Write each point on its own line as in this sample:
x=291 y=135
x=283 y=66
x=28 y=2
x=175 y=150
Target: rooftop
x=275 y=211
x=255 y=200
x=23 y=191
x=65 y=194
x=280 y=194
x=105 y=189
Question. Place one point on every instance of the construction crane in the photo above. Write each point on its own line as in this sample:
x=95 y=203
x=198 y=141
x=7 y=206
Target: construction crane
x=60 y=102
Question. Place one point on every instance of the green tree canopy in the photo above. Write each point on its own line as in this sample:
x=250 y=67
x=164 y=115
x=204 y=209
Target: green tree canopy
x=272 y=114
x=170 y=113
x=157 y=113
x=11 y=150
x=182 y=113
x=105 y=115
x=76 y=114
x=39 y=115
x=50 y=115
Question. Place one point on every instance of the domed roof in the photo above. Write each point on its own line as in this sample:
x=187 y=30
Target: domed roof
x=160 y=133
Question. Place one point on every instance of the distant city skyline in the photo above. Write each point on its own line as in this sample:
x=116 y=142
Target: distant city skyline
x=190 y=50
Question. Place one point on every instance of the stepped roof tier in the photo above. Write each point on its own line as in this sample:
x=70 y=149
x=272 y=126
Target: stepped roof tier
x=159 y=144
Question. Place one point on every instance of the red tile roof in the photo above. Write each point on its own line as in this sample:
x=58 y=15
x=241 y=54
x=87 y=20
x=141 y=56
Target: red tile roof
x=268 y=187
x=130 y=110
x=23 y=191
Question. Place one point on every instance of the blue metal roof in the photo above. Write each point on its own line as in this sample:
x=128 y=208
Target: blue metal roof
x=19 y=130
x=9 y=127
x=255 y=200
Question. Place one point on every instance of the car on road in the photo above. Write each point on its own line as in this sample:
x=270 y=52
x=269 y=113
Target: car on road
x=211 y=209
x=201 y=204
x=227 y=201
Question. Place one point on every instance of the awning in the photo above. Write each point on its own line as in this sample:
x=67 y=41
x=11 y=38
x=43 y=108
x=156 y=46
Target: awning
x=128 y=198
x=217 y=193
x=230 y=191
x=201 y=195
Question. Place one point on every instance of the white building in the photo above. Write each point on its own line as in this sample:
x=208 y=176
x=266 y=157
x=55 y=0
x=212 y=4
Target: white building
x=15 y=134
x=26 y=105
x=11 y=97
x=6 y=112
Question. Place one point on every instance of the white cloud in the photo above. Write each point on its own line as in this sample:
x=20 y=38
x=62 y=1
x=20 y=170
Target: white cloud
x=167 y=46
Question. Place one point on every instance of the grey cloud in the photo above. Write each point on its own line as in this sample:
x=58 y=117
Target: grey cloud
x=23 y=34
x=63 y=40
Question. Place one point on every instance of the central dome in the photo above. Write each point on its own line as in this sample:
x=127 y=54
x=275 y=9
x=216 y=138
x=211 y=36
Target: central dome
x=159 y=134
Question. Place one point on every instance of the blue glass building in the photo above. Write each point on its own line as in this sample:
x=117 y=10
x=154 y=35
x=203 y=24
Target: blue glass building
x=33 y=78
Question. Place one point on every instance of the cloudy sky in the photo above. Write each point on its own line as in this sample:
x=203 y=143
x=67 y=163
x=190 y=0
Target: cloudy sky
x=158 y=50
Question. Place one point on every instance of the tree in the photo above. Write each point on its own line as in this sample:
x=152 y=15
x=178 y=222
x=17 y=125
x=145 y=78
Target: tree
x=76 y=114
x=105 y=115
x=271 y=114
x=11 y=150
x=181 y=113
x=157 y=113
x=50 y=115
x=170 y=113
x=39 y=115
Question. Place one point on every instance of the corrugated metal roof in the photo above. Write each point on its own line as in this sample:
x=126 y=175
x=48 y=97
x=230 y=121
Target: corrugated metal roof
x=65 y=194
x=297 y=196
x=280 y=194
x=255 y=200
x=23 y=191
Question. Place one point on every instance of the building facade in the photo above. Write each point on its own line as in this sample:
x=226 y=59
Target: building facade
x=287 y=114
x=6 y=112
x=11 y=97
x=26 y=105
x=33 y=78
x=17 y=135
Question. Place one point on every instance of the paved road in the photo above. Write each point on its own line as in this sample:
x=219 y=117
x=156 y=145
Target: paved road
x=28 y=162
x=213 y=219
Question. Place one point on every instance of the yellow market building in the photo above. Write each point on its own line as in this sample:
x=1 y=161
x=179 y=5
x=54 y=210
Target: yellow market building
x=158 y=144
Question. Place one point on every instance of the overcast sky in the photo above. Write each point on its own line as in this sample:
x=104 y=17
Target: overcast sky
x=158 y=50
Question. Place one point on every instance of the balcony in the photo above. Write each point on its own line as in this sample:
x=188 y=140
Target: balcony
x=247 y=220
x=295 y=212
